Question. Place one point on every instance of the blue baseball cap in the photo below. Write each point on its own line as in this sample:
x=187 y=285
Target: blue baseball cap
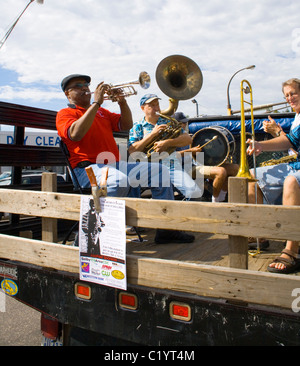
x=180 y=117
x=148 y=98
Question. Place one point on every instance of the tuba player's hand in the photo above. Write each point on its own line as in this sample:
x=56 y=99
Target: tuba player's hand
x=161 y=146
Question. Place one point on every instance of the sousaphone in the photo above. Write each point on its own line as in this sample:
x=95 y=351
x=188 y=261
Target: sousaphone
x=179 y=78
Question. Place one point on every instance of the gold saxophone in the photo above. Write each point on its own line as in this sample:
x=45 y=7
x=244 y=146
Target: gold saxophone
x=172 y=130
x=284 y=159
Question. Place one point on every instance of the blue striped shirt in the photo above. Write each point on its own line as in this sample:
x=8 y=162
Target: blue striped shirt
x=141 y=129
x=294 y=138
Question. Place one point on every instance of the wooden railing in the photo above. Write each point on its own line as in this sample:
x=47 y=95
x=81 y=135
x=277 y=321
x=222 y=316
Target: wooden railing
x=236 y=220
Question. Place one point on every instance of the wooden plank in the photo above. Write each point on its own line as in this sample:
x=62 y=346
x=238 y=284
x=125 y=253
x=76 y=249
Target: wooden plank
x=204 y=280
x=266 y=221
x=41 y=253
x=238 y=245
x=49 y=225
x=214 y=281
x=43 y=204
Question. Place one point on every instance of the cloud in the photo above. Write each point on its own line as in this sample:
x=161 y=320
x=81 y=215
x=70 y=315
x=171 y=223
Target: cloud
x=31 y=94
x=113 y=40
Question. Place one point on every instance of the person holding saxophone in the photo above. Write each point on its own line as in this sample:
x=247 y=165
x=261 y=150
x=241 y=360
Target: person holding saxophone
x=151 y=125
x=282 y=180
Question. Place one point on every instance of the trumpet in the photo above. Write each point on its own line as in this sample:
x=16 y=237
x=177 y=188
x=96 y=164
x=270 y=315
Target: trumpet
x=244 y=166
x=126 y=89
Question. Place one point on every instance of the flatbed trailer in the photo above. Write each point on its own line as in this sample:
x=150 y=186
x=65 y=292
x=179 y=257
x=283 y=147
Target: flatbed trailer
x=210 y=292
x=216 y=302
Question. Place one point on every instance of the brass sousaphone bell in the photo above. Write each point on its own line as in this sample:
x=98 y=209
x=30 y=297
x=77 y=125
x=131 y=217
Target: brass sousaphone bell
x=179 y=78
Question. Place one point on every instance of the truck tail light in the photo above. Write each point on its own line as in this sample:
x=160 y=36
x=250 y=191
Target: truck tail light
x=180 y=311
x=49 y=327
x=83 y=291
x=128 y=301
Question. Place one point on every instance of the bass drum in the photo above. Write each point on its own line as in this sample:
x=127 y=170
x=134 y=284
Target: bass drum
x=217 y=151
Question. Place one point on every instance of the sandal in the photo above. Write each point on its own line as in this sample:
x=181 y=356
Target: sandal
x=291 y=264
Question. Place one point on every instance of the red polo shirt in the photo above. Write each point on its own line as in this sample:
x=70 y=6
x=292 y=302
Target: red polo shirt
x=98 y=139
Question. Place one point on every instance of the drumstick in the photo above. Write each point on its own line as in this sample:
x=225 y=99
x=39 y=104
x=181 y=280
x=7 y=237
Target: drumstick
x=208 y=142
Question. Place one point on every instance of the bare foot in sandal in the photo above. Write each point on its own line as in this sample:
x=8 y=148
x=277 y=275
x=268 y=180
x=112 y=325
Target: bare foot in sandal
x=289 y=260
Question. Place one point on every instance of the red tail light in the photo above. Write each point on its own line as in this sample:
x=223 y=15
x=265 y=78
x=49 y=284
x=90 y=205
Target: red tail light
x=83 y=291
x=128 y=301
x=50 y=327
x=180 y=311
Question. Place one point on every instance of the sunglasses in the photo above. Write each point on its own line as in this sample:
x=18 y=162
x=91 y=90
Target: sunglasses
x=78 y=86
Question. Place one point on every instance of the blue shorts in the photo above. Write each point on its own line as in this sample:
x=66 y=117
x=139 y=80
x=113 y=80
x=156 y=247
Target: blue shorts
x=271 y=179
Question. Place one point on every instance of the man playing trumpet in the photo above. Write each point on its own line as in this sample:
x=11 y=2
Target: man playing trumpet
x=87 y=130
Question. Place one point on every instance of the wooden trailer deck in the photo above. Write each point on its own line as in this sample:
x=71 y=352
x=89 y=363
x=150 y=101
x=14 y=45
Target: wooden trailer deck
x=208 y=249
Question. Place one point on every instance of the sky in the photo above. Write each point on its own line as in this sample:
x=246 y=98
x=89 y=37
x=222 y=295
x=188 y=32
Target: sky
x=114 y=40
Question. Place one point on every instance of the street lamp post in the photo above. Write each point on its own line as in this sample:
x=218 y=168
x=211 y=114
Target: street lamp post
x=197 y=107
x=229 y=111
x=7 y=34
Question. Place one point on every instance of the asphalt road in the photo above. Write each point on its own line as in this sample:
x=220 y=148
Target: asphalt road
x=19 y=324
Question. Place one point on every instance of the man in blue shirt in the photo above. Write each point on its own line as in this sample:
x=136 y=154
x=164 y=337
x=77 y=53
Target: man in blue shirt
x=151 y=125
